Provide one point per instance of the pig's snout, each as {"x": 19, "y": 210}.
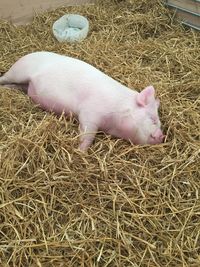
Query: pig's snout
{"x": 156, "y": 138}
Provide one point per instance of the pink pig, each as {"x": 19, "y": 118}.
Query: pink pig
{"x": 63, "y": 84}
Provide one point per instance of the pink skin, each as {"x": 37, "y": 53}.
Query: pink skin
{"x": 59, "y": 83}
{"x": 156, "y": 137}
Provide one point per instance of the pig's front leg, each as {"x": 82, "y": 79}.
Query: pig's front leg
{"x": 88, "y": 130}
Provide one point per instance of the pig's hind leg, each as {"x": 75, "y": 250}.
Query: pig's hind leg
{"x": 22, "y": 87}
{"x": 4, "y": 80}
{"x": 11, "y": 80}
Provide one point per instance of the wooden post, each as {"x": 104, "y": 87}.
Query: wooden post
{"x": 22, "y": 11}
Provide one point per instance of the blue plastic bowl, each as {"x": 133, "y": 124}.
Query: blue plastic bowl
{"x": 71, "y": 28}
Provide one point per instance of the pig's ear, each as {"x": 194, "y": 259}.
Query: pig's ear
{"x": 146, "y": 96}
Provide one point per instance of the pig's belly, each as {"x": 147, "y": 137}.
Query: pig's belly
{"x": 49, "y": 102}
{"x": 52, "y": 105}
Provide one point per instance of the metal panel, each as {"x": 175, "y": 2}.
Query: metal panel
{"x": 188, "y": 11}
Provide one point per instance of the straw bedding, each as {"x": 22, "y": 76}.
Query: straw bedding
{"x": 118, "y": 204}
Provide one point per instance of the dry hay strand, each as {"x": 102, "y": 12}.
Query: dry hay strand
{"x": 117, "y": 205}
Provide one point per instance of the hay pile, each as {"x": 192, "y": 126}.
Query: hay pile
{"x": 118, "y": 205}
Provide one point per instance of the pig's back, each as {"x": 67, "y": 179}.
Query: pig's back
{"x": 72, "y": 82}
{"x": 42, "y": 62}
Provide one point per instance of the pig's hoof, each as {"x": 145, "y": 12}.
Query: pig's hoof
{"x": 85, "y": 144}
{"x": 83, "y": 148}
